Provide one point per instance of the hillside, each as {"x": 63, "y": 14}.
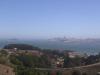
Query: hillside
{"x": 6, "y": 70}
{"x": 20, "y": 47}
{"x": 92, "y": 69}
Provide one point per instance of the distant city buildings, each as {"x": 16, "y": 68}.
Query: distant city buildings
{"x": 72, "y": 54}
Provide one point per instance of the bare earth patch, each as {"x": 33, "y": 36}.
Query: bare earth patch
{"x": 6, "y": 70}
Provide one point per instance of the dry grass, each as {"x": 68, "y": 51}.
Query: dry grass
{"x": 6, "y": 70}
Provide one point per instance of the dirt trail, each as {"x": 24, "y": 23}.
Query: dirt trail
{"x": 6, "y": 70}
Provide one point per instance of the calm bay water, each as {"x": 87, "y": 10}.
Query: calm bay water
{"x": 82, "y": 47}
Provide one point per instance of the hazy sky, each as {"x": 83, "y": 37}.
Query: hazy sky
{"x": 49, "y": 18}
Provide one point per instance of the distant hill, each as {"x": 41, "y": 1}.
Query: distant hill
{"x": 65, "y": 39}
{"x": 21, "y": 47}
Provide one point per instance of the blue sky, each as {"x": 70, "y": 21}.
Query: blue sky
{"x": 49, "y": 18}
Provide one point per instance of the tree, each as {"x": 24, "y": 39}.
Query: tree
{"x": 76, "y": 73}
{"x": 84, "y": 74}
{"x": 48, "y": 73}
{"x": 58, "y": 73}
{"x": 67, "y": 61}
{"x": 21, "y": 47}
{"x": 3, "y": 52}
